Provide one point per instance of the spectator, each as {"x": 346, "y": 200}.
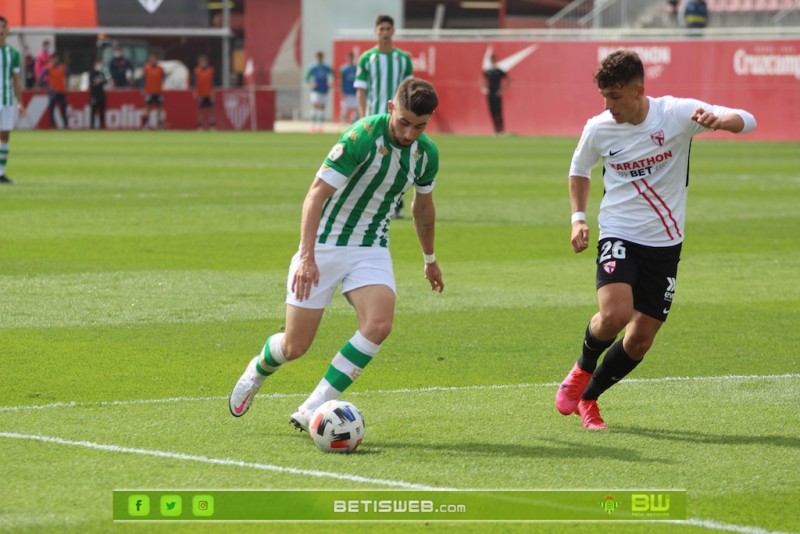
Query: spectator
{"x": 203, "y": 93}
{"x": 56, "y": 76}
{"x": 97, "y": 93}
{"x": 494, "y": 83}
{"x": 42, "y": 63}
{"x": 349, "y": 102}
{"x": 153, "y": 91}
{"x": 30, "y": 69}
{"x": 673, "y": 11}
{"x": 696, "y": 14}
{"x": 120, "y": 69}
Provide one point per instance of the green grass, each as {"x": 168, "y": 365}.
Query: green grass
{"x": 141, "y": 267}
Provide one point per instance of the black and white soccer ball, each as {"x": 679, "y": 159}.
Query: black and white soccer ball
{"x": 337, "y": 426}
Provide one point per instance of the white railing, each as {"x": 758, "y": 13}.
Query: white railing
{"x": 599, "y": 14}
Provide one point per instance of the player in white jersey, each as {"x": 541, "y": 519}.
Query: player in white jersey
{"x": 344, "y": 240}
{"x": 10, "y": 96}
{"x": 644, "y": 143}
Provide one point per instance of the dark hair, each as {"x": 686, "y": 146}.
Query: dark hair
{"x": 619, "y": 68}
{"x": 384, "y": 18}
{"x": 4, "y": 20}
{"x": 417, "y": 96}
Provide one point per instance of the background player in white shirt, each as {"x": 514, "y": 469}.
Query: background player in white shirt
{"x": 644, "y": 143}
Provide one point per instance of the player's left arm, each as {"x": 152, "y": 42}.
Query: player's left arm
{"x": 424, "y": 213}
{"x": 18, "y": 93}
{"x": 720, "y": 118}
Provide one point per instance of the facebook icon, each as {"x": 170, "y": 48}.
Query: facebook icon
{"x": 138, "y": 505}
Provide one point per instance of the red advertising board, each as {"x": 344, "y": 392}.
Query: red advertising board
{"x": 234, "y": 109}
{"x": 552, "y": 92}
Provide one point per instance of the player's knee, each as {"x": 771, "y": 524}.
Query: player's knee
{"x": 610, "y": 323}
{"x": 294, "y": 348}
{"x": 377, "y": 330}
{"x": 637, "y": 346}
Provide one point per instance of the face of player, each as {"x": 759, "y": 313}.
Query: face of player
{"x": 385, "y": 32}
{"x": 3, "y": 31}
{"x": 625, "y": 102}
{"x": 405, "y": 127}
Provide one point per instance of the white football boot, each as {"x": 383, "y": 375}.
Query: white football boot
{"x": 245, "y": 389}
{"x": 301, "y": 419}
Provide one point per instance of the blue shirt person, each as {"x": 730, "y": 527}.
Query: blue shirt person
{"x": 318, "y": 77}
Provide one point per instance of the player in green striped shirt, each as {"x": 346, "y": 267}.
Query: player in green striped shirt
{"x": 381, "y": 69}
{"x": 344, "y": 240}
{"x": 10, "y": 95}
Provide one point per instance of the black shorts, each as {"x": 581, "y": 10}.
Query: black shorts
{"x": 650, "y": 271}
{"x": 154, "y": 100}
{"x": 205, "y": 102}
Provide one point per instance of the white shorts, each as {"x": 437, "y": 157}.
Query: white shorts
{"x": 349, "y": 102}
{"x": 8, "y": 117}
{"x": 318, "y": 99}
{"x": 353, "y": 267}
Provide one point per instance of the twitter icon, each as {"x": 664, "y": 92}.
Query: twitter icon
{"x": 171, "y": 505}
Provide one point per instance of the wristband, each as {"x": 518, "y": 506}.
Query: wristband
{"x": 578, "y": 216}
{"x": 429, "y": 258}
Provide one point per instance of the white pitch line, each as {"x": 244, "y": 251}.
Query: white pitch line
{"x": 701, "y": 523}
{"x": 726, "y": 527}
{"x": 433, "y": 389}
{"x": 696, "y": 522}
{"x": 218, "y": 461}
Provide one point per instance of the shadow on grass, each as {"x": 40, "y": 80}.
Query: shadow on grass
{"x": 554, "y": 448}
{"x": 691, "y": 436}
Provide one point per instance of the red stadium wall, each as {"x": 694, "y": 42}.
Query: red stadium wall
{"x": 552, "y": 92}
{"x": 234, "y": 109}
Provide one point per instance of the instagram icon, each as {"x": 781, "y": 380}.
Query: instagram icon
{"x": 203, "y": 505}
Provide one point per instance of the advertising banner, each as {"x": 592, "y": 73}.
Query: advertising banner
{"x": 234, "y": 109}
{"x": 93, "y": 13}
{"x": 552, "y": 91}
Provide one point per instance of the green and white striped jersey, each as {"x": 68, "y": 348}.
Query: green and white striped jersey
{"x": 370, "y": 175}
{"x": 9, "y": 65}
{"x": 380, "y": 74}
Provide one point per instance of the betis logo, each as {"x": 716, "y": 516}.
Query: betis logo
{"x": 609, "y": 504}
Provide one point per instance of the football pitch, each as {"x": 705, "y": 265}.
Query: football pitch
{"x": 140, "y": 271}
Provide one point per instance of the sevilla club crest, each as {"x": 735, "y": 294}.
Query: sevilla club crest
{"x": 609, "y": 266}
{"x": 658, "y": 137}
{"x": 237, "y": 108}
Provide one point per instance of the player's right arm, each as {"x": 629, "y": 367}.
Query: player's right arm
{"x": 307, "y": 272}
{"x": 580, "y": 171}
{"x": 578, "y": 198}
{"x": 361, "y": 83}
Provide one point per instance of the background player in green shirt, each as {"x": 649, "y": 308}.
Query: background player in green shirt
{"x": 344, "y": 240}
{"x": 381, "y": 69}
{"x": 10, "y": 95}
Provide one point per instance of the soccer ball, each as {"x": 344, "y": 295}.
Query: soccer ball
{"x": 336, "y": 426}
